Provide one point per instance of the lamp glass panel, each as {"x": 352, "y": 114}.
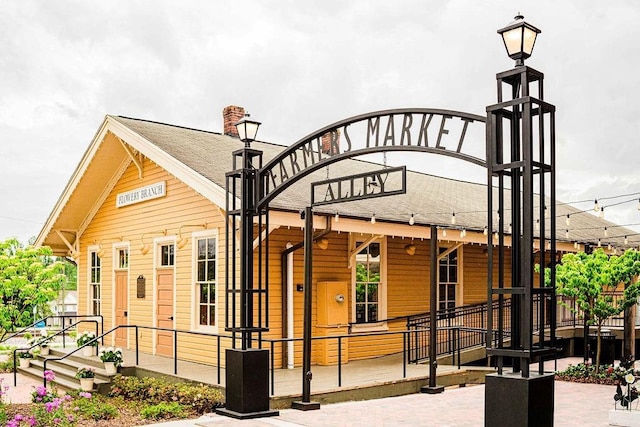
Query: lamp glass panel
{"x": 242, "y": 130}
{"x": 251, "y": 130}
{"x": 528, "y": 41}
{"x": 513, "y": 40}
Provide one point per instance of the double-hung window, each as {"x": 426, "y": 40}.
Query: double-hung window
{"x": 369, "y": 288}
{"x": 95, "y": 281}
{"x": 206, "y": 263}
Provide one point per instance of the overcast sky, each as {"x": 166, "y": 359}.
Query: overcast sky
{"x": 300, "y": 65}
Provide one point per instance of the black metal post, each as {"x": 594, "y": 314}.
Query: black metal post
{"x": 306, "y": 403}
{"x": 433, "y": 318}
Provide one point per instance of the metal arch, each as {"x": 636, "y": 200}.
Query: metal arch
{"x": 267, "y": 195}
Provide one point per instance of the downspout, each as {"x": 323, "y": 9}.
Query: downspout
{"x": 289, "y": 265}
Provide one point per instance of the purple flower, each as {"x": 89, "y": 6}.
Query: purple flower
{"x": 18, "y": 417}
{"x": 32, "y": 421}
{"x": 85, "y": 394}
{"x": 49, "y": 375}
{"x": 41, "y": 390}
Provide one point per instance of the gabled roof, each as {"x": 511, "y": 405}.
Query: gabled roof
{"x": 201, "y": 159}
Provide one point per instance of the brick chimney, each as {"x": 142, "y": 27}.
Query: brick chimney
{"x": 230, "y": 116}
{"x": 327, "y": 139}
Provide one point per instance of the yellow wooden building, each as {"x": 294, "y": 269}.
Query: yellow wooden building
{"x": 143, "y": 217}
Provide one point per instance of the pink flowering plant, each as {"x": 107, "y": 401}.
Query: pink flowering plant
{"x": 43, "y": 394}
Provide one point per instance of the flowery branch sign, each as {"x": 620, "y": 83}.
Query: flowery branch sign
{"x": 142, "y": 194}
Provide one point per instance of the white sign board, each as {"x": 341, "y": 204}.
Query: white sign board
{"x": 142, "y": 194}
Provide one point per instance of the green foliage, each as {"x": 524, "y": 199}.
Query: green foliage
{"x": 94, "y": 407}
{"x": 29, "y": 279}
{"x": 164, "y": 410}
{"x": 7, "y": 365}
{"x": 199, "y": 397}
{"x": 592, "y": 279}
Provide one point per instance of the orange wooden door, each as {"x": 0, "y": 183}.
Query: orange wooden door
{"x": 164, "y": 312}
{"x": 122, "y": 300}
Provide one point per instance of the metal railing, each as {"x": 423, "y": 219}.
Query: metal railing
{"x": 45, "y": 319}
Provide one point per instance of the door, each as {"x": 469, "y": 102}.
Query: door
{"x": 164, "y": 312}
{"x": 122, "y": 301}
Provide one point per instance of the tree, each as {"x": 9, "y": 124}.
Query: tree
{"x": 592, "y": 279}
{"x": 29, "y": 279}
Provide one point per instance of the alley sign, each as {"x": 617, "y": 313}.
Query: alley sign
{"x": 383, "y": 182}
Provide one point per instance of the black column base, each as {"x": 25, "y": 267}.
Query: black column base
{"x": 247, "y": 384}
{"x": 511, "y": 400}
{"x": 432, "y": 390}
{"x": 305, "y": 406}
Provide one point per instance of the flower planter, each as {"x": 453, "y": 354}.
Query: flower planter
{"x": 24, "y": 363}
{"x": 44, "y": 351}
{"x": 88, "y": 351}
{"x": 86, "y": 384}
{"x": 110, "y": 368}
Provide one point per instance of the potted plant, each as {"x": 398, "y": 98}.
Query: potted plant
{"x": 86, "y": 375}
{"x": 24, "y": 356}
{"x": 112, "y": 358}
{"x": 87, "y": 340}
{"x": 43, "y": 343}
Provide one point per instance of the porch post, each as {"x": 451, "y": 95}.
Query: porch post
{"x": 433, "y": 318}
{"x": 306, "y": 404}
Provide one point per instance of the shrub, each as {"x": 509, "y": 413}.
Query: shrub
{"x": 110, "y": 354}
{"x": 199, "y": 397}
{"x": 94, "y": 408}
{"x": 163, "y": 410}
{"x": 85, "y": 338}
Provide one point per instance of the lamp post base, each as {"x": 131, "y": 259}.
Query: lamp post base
{"x": 247, "y": 384}
{"x": 305, "y": 406}
{"x": 511, "y": 400}
{"x": 432, "y": 390}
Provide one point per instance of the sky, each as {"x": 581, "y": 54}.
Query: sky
{"x": 298, "y": 66}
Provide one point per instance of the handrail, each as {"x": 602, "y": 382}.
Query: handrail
{"x": 15, "y": 370}
{"x": 44, "y": 319}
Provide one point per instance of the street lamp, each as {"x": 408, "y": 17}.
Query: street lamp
{"x": 247, "y": 129}
{"x": 519, "y": 38}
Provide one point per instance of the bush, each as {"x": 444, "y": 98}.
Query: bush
{"x": 163, "y": 410}
{"x": 586, "y": 373}
{"x": 94, "y": 407}
{"x": 199, "y": 397}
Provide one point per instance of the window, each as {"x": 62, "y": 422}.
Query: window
{"x": 206, "y": 280}
{"x": 447, "y": 280}
{"x": 167, "y": 255}
{"x": 123, "y": 259}
{"x": 94, "y": 282}
{"x": 368, "y": 283}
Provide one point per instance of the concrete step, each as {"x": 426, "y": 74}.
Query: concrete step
{"x": 65, "y": 369}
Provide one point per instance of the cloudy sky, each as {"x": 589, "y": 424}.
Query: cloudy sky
{"x": 300, "y": 65}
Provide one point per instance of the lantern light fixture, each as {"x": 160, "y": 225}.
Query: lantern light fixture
{"x": 519, "y": 38}
{"x": 247, "y": 129}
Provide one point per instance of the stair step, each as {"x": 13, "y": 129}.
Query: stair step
{"x": 63, "y": 382}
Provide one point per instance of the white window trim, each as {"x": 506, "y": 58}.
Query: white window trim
{"x": 90, "y": 250}
{"x": 195, "y": 324}
{"x": 382, "y": 307}
{"x": 459, "y": 283}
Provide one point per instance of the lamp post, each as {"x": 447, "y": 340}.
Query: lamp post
{"x": 521, "y": 172}
{"x": 247, "y": 368}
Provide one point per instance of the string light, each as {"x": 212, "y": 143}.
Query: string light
{"x": 568, "y": 220}
{"x": 575, "y": 245}
{"x": 596, "y": 207}
{"x": 485, "y": 231}
{"x": 609, "y": 246}
{"x": 444, "y": 232}
{"x": 599, "y": 243}
{"x": 546, "y": 212}
{"x": 601, "y": 214}
{"x": 337, "y": 217}
{"x": 462, "y": 233}
{"x": 453, "y": 218}
{"x": 510, "y": 229}
{"x": 495, "y": 235}
{"x": 373, "y": 218}
{"x": 626, "y": 240}
{"x": 566, "y": 234}
{"x": 411, "y": 220}
{"x": 639, "y": 204}
{"x": 537, "y": 224}
{"x": 606, "y": 233}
